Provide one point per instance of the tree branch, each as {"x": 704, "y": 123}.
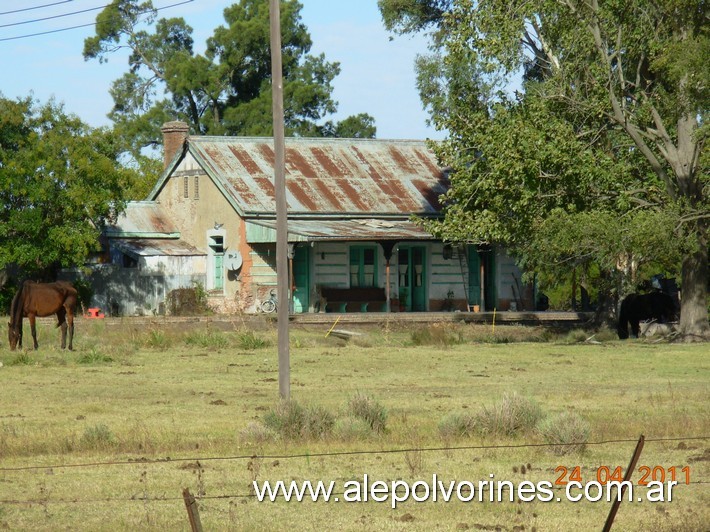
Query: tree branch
{"x": 618, "y": 114}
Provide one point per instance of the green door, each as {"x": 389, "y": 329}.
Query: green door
{"x": 412, "y": 277}
{"x": 474, "y": 277}
{"x": 489, "y": 260}
{"x": 218, "y": 271}
{"x": 301, "y": 288}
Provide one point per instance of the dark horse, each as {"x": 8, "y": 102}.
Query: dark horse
{"x": 42, "y": 299}
{"x": 640, "y": 307}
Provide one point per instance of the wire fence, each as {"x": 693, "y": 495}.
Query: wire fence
{"x": 203, "y": 459}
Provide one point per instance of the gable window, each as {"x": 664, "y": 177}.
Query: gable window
{"x": 196, "y": 193}
{"x": 128, "y": 262}
{"x": 363, "y": 266}
{"x": 186, "y": 186}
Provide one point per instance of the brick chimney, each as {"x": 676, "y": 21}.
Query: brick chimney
{"x": 174, "y": 135}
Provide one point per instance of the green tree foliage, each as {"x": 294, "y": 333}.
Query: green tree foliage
{"x": 225, "y": 91}
{"x": 59, "y": 183}
{"x": 606, "y": 130}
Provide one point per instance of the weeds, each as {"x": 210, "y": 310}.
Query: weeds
{"x": 414, "y": 457}
{"x": 254, "y": 466}
{"x": 511, "y": 416}
{"x": 441, "y": 335}
{"x": 22, "y": 359}
{"x": 292, "y": 421}
{"x": 158, "y": 339}
{"x": 368, "y": 409}
{"x": 250, "y": 341}
{"x": 94, "y": 356}
{"x": 209, "y": 339}
{"x": 568, "y": 432}
{"x": 98, "y": 438}
{"x": 256, "y": 434}
{"x": 457, "y": 425}
{"x": 351, "y": 429}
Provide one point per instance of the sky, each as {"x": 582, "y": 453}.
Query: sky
{"x": 377, "y": 68}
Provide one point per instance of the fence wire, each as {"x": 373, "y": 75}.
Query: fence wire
{"x": 168, "y": 460}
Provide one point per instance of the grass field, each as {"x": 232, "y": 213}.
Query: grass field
{"x": 106, "y": 437}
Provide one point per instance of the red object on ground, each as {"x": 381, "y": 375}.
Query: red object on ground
{"x": 94, "y": 313}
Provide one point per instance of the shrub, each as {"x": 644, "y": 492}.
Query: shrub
{"x": 249, "y": 340}
{"x": 568, "y": 432}
{"x": 208, "y": 339}
{"x": 187, "y": 301}
{"x": 352, "y": 429}
{"x": 457, "y": 425}
{"x": 256, "y": 433}
{"x": 365, "y": 407}
{"x": 22, "y": 359}
{"x": 85, "y": 292}
{"x": 97, "y": 437}
{"x": 512, "y": 415}
{"x": 438, "y": 335}
{"x": 94, "y": 356}
{"x": 576, "y": 336}
{"x": 158, "y": 339}
{"x": 292, "y": 421}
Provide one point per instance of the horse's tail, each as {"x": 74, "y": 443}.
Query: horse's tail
{"x": 622, "y": 327}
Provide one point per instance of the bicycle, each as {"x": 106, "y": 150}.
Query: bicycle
{"x": 269, "y": 305}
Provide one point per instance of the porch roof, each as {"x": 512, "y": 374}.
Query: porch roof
{"x": 145, "y": 219}
{"x": 147, "y": 247}
{"x": 314, "y": 230}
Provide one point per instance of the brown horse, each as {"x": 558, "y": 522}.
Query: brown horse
{"x": 42, "y": 299}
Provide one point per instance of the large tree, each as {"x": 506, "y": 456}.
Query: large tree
{"x": 59, "y": 183}
{"x": 225, "y": 91}
{"x": 609, "y": 118}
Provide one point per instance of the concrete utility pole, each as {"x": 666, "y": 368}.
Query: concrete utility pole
{"x": 280, "y": 196}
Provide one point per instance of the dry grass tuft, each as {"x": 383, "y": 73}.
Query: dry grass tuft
{"x": 568, "y": 432}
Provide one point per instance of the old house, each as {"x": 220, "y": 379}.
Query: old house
{"x": 353, "y": 245}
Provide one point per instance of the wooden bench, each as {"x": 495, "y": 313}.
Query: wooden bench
{"x": 369, "y": 299}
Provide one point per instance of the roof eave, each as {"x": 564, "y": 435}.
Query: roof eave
{"x": 128, "y": 234}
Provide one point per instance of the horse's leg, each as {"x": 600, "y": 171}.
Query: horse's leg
{"x": 70, "y": 321}
{"x": 635, "y": 328}
{"x": 62, "y": 322}
{"x": 33, "y": 327}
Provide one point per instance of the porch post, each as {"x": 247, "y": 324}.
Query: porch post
{"x": 387, "y": 247}
{"x": 483, "y": 288}
{"x": 291, "y": 280}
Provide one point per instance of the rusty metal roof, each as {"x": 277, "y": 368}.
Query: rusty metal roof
{"x": 260, "y": 231}
{"x": 147, "y": 247}
{"x": 325, "y": 176}
{"x": 144, "y": 219}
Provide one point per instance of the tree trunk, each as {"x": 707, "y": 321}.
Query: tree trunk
{"x": 694, "y": 304}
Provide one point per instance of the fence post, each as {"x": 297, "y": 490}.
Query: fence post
{"x": 193, "y": 513}
{"x": 627, "y": 478}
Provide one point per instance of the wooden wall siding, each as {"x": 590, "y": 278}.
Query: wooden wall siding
{"x": 331, "y": 264}
{"x": 263, "y": 266}
{"x": 505, "y": 269}
{"x": 445, "y": 274}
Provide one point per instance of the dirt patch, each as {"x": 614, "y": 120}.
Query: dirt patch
{"x": 191, "y": 466}
{"x": 406, "y": 518}
{"x": 705, "y": 457}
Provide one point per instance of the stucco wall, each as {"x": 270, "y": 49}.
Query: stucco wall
{"x": 201, "y": 216}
